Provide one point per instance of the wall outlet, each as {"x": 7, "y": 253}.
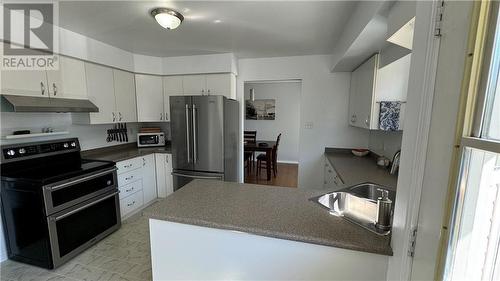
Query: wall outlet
{"x": 309, "y": 125}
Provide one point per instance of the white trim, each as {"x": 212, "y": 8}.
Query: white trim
{"x": 288, "y": 162}
{"x": 483, "y": 144}
{"x": 414, "y": 150}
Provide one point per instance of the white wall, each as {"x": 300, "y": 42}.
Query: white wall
{"x": 90, "y": 136}
{"x": 323, "y": 104}
{"x": 385, "y": 143}
{"x": 287, "y": 122}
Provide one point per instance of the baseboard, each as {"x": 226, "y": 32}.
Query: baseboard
{"x": 288, "y": 162}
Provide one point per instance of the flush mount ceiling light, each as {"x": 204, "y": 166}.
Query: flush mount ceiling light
{"x": 167, "y": 18}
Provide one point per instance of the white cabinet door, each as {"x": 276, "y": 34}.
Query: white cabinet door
{"x": 149, "y": 93}
{"x": 101, "y": 93}
{"x": 24, "y": 82}
{"x": 362, "y": 93}
{"x": 124, "y": 84}
{"x": 164, "y": 174}
{"x": 172, "y": 86}
{"x": 221, "y": 84}
{"x": 149, "y": 178}
{"x": 194, "y": 84}
{"x": 69, "y": 80}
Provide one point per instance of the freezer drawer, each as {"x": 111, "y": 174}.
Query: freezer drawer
{"x": 181, "y": 178}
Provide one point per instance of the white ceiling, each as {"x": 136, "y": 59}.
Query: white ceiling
{"x": 246, "y": 28}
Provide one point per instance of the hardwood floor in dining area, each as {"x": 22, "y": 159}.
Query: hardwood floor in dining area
{"x": 287, "y": 176}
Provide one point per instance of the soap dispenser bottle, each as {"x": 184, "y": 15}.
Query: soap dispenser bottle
{"x": 384, "y": 210}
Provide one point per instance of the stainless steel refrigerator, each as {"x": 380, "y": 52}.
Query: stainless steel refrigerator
{"x": 205, "y": 138}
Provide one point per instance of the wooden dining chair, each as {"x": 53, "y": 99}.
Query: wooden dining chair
{"x": 250, "y": 136}
{"x": 262, "y": 159}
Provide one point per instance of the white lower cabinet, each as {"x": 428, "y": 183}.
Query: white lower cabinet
{"x": 332, "y": 179}
{"x": 164, "y": 174}
{"x": 149, "y": 187}
{"x": 141, "y": 180}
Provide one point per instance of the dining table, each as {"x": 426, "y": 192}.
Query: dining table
{"x": 262, "y": 146}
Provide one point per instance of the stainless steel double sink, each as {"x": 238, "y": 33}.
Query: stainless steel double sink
{"x": 357, "y": 204}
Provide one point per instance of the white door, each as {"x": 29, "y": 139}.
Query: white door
{"x": 362, "y": 102}
{"x": 172, "y": 86}
{"x": 25, "y": 82}
{"x": 124, "y": 84}
{"x": 149, "y": 94}
{"x": 101, "y": 93}
{"x": 194, "y": 84}
{"x": 219, "y": 84}
{"x": 149, "y": 178}
{"x": 161, "y": 174}
{"x": 69, "y": 80}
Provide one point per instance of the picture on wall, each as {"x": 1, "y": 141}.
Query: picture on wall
{"x": 260, "y": 109}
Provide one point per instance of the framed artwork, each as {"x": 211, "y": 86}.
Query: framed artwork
{"x": 260, "y": 109}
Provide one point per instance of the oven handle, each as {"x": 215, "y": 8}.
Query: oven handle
{"x": 197, "y": 177}
{"x": 59, "y": 186}
{"x": 85, "y": 206}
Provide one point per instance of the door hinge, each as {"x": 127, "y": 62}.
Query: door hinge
{"x": 439, "y": 19}
{"x": 413, "y": 239}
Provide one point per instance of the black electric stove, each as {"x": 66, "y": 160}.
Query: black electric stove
{"x": 54, "y": 203}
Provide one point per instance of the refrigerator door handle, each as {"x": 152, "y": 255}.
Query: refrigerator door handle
{"x": 187, "y": 135}
{"x": 198, "y": 177}
{"x": 195, "y": 138}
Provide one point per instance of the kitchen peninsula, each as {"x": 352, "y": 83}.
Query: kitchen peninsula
{"x": 217, "y": 230}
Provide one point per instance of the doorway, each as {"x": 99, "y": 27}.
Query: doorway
{"x": 272, "y": 108}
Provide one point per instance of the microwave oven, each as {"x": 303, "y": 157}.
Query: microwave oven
{"x": 150, "y": 139}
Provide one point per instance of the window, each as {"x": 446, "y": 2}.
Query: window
{"x": 474, "y": 246}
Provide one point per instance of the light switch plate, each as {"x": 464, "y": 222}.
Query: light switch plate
{"x": 309, "y": 125}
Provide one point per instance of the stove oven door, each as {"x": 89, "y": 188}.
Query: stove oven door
{"x": 77, "y": 228}
{"x": 64, "y": 194}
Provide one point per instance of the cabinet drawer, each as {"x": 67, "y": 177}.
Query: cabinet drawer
{"x": 130, "y": 189}
{"x": 129, "y": 177}
{"x": 129, "y": 165}
{"x": 131, "y": 203}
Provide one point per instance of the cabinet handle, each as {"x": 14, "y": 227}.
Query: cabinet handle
{"x": 114, "y": 116}
{"x": 42, "y": 87}
{"x": 129, "y": 178}
{"x": 128, "y": 190}
{"x": 202, "y": 91}
{"x": 127, "y": 166}
{"x": 161, "y": 116}
{"x": 166, "y": 116}
{"x": 120, "y": 114}
{"x": 353, "y": 118}
{"x": 130, "y": 204}
{"x": 55, "y": 88}
{"x": 143, "y": 162}
{"x": 208, "y": 92}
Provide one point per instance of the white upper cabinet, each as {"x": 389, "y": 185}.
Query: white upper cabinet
{"x": 221, "y": 84}
{"x": 172, "y": 86}
{"x": 194, "y": 84}
{"x": 25, "y": 82}
{"x": 370, "y": 85}
{"x": 210, "y": 84}
{"x": 69, "y": 81}
{"x": 101, "y": 93}
{"x": 362, "y": 91}
{"x": 149, "y": 93}
{"x": 124, "y": 86}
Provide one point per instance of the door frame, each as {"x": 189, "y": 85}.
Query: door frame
{"x": 421, "y": 86}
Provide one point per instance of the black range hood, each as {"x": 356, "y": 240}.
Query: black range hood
{"x": 15, "y": 103}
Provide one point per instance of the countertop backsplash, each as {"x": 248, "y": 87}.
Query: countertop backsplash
{"x": 385, "y": 143}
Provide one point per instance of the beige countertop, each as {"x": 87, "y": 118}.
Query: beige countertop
{"x": 354, "y": 170}
{"x": 278, "y": 212}
{"x": 122, "y": 152}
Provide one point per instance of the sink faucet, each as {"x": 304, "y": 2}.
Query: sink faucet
{"x": 395, "y": 162}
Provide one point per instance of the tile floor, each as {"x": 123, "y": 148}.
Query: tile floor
{"x": 124, "y": 255}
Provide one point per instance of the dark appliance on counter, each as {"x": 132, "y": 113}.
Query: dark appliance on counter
{"x": 54, "y": 203}
{"x": 205, "y": 138}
